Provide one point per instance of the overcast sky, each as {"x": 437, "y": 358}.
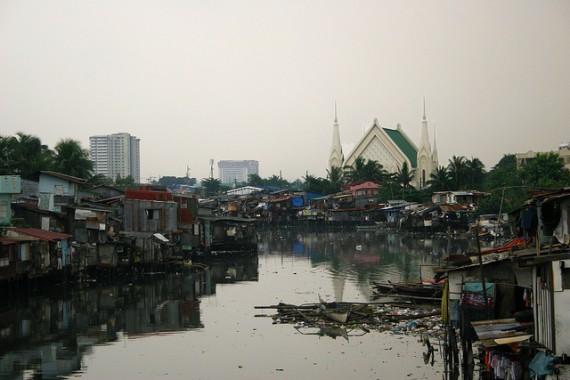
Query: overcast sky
{"x": 257, "y": 80}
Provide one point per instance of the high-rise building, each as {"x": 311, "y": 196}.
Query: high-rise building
{"x": 116, "y": 155}
{"x": 232, "y": 172}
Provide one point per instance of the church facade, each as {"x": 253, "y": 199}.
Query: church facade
{"x": 391, "y": 148}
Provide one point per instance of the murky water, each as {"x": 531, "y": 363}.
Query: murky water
{"x": 206, "y": 326}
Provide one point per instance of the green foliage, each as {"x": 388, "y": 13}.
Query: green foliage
{"x": 335, "y": 179}
{"x": 274, "y": 180}
{"x": 97, "y": 180}
{"x": 505, "y": 188}
{"x": 318, "y": 185}
{"x": 546, "y": 171}
{"x": 364, "y": 170}
{"x": 72, "y": 159}
{"x": 127, "y": 181}
{"x": 28, "y": 155}
{"x": 169, "y": 181}
{"x": 255, "y": 180}
{"x": 474, "y": 174}
{"x": 439, "y": 180}
{"x": 457, "y": 170}
{"x": 404, "y": 177}
{"x": 211, "y": 186}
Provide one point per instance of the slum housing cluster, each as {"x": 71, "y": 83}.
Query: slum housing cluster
{"x": 54, "y": 226}
{"x": 355, "y": 206}
{"x": 515, "y": 300}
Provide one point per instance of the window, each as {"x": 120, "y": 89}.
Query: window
{"x": 152, "y": 214}
{"x": 58, "y": 190}
{"x": 3, "y": 209}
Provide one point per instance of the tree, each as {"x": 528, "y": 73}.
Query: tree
{"x": 373, "y": 171}
{"x": 334, "y": 177}
{"x": 277, "y": 181}
{"x": 72, "y": 159}
{"x": 255, "y": 180}
{"x": 98, "y": 179}
{"x": 405, "y": 176}
{"x": 315, "y": 185}
{"x": 439, "y": 180}
{"x": 457, "y": 169}
{"x": 7, "y": 147}
{"x": 364, "y": 170}
{"x": 545, "y": 171}
{"x": 211, "y": 186}
{"x": 504, "y": 174}
{"x": 127, "y": 181}
{"x": 504, "y": 186}
{"x": 474, "y": 173}
{"x": 30, "y": 155}
{"x": 171, "y": 181}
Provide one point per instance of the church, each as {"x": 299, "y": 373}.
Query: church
{"x": 390, "y": 148}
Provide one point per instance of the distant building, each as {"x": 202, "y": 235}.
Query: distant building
{"x": 232, "y": 172}
{"x": 116, "y": 155}
{"x": 563, "y": 152}
{"x": 391, "y": 148}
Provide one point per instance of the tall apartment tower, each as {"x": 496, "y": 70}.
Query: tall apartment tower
{"x": 232, "y": 172}
{"x": 116, "y": 155}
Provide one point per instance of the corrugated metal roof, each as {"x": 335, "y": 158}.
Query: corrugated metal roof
{"x": 42, "y": 234}
{"x": 65, "y": 177}
{"x": 5, "y": 241}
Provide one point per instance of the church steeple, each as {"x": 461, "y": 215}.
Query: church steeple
{"x": 434, "y": 158}
{"x": 336, "y": 157}
{"x": 424, "y": 141}
{"x": 425, "y": 158}
{"x": 335, "y": 118}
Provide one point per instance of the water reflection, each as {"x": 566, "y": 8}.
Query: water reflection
{"x": 53, "y": 334}
{"x": 46, "y": 335}
{"x": 365, "y": 256}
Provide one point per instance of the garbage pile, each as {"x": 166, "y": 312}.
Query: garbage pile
{"x": 345, "y": 318}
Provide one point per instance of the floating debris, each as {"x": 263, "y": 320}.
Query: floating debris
{"x": 344, "y": 319}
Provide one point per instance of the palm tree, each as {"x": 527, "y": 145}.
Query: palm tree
{"x": 355, "y": 172}
{"x": 255, "y": 180}
{"x": 7, "y": 148}
{"x": 364, "y": 170}
{"x": 335, "y": 177}
{"x": 72, "y": 159}
{"x": 315, "y": 184}
{"x": 405, "y": 176}
{"x": 475, "y": 173}
{"x": 439, "y": 179}
{"x": 211, "y": 185}
{"x": 457, "y": 169}
{"x": 373, "y": 171}
{"x": 30, "y": 155}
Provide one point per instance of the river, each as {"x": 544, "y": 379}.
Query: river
{"x": 206, "y": 326}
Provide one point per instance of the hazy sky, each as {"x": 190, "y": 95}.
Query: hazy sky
{"x": 241, "y": 80}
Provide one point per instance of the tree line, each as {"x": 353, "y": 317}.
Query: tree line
{"x": 507, "y": 183}
{"x": 25, "y": 155}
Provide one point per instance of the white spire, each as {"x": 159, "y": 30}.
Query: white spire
{"x": 335, "y": 118}
{"x": 336, "y": 158}
{"x": 434, "y": 157}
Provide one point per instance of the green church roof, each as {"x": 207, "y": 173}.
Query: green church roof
{"x": 404, "y": 145}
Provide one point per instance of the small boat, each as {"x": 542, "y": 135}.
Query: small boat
{"x": 419, "y": 289}
{"x": 368, "y": 227}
